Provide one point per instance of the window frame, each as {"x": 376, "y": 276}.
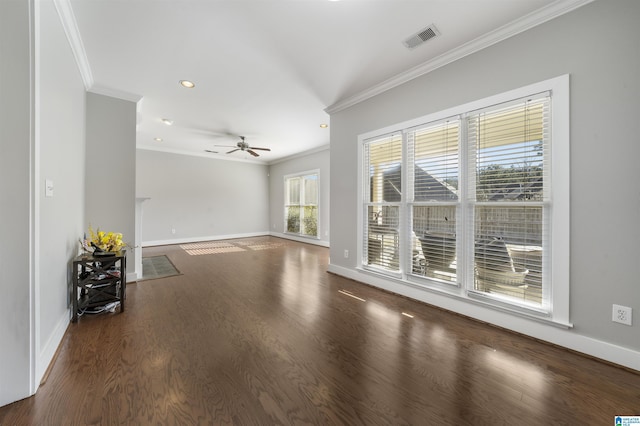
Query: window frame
{"x": 286, "y": 178}
{"x": 557, "y": 254}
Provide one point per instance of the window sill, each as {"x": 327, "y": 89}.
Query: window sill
{"x": 310, "y": 237}
{"x": 457, "y": 292}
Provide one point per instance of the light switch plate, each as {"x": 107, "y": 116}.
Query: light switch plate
{"x": 48, "y": 188}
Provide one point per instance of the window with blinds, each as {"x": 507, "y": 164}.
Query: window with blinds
{"x": 433, "y": 153}
{"x": 383, "y": 197}
{"x": 464, "y": 201}
{"x": 506, "y": 147}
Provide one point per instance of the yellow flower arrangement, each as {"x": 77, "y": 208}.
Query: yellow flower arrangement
{"x": 104, "y": 241}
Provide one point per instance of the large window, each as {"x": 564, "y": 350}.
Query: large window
{"x": 462, "y": 201}
{"x": 301, "y": 204}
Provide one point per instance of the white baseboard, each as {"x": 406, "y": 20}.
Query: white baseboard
{"x": 565, "y": 337}
{"x": 48, "y": 351}
{"x": 314, "y": 241}
{"x": 201, "y": 239}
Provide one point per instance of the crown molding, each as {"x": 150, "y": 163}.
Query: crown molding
{"x": 511, "y": 29}
{"x": 70, "y": 26}
{"x": 223, "y": 157}
{"x": 114, "y": 93}
{"x": 301, "y": 154}
{"x": 209, "y": 156}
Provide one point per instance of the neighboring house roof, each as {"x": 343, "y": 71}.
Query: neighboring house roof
{"x": 427, "y": 187}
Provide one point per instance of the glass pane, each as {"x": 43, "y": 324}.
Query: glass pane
{"x": 508, "y": 252}
{"x": 436, "y": 162}
{"x": 311, "y": 189}
{"x": 293, "y": 219}
{"x": 384, "y": 169}
{"x": 382, "y": 247}
{"x": 509, "y": 152}
{"x": 310, "y": 221}
{"x": 434, "y": 253}
{"x": 293, "y": 190}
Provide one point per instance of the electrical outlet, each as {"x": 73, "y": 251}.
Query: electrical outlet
{"x": 346, "y": 254}
{"x": 621, "y": 314}
{"x": 173, "y": 230}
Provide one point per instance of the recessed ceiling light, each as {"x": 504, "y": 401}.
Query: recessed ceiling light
{"x": 188, "y": 84}
{"x": 157, "y": 139}
{"x": 167, "y": 121}
{"x": 324, "y": 125}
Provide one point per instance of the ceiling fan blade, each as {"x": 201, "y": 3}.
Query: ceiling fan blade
{"x": 262, "y": 149}
{"x": 252, "y": 153}
{"x": 233, "y": 150}
{"x": 208, "y": 150}
{"x": 226, "y": 146}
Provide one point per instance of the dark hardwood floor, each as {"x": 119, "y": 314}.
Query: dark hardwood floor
{"x": 256, "y": 332}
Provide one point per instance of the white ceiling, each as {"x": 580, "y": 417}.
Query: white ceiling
{"x": 268, "y": 69}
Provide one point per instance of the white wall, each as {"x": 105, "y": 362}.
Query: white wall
{"x": 60, "y": 140}
{"x": 605, "y": 200}
{"x": 42, "y": 114}
{"x": 110, "y": 174}
{"x": 200, "y": 198}
{"x": 318, "y": 160}
{"x": 16, "y": 187}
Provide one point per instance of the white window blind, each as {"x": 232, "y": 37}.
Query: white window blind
{"x": 382, "y": 187}
{"x": 434, "y": 155}
{"x": 507, "y": 146}
{"x": 435, "y": 160}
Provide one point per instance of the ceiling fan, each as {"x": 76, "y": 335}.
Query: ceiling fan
{"x": 242, "y": 145}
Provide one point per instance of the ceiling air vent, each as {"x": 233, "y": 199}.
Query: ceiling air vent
{"x": 417, "y": 39}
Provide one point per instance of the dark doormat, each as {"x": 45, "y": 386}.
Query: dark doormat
{"x": 157, "y": 267}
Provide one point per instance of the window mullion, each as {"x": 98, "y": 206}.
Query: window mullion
{"x": 302, "y": 203}
{"x": 406, "y": 240}
{"x": 466, "y": 188}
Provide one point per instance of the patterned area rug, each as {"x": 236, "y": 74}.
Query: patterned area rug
{"x": 157, "y": 267}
